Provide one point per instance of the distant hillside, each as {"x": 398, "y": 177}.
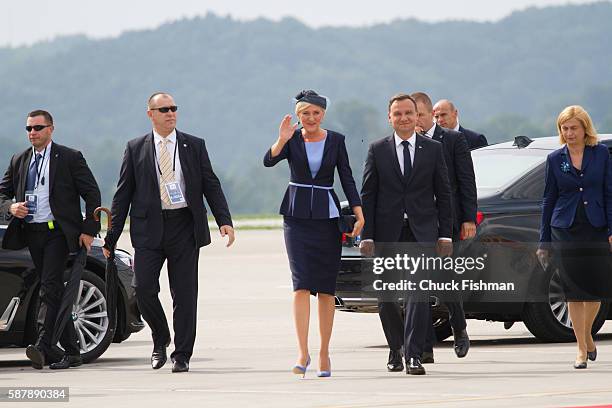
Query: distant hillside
{"x": 234, "y": 80}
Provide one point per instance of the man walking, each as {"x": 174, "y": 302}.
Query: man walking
{"x": 406, "y": 198}
{"x": 163, "y": 178}
{"x": 47, "y": 182}
{"x": 463, "y": 187}
{"x": 447, "y": 115}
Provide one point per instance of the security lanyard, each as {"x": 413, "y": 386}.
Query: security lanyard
{"x": 40, "y": 169}
{"x": 173, "y": 161}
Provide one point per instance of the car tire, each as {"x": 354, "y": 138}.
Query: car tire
{"x": 542, "y": 323}
{"x": 550, "y": 321}
{"x": 92, "y": 324}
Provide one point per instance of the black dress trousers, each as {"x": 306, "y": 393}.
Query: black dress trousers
{"x": 408, "y": 329}
{"x": 180, "y": 250}
{"x": 49, "y": 251}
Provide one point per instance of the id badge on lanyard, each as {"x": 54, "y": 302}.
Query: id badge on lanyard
{"x": 175, "y": 193}
{"x": 31, "y": 198}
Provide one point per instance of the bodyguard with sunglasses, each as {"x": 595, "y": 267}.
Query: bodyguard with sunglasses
{"x": 47, "y": 182}
{"x": 164, "y": 176}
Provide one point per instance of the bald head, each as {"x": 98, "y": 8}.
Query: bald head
{"x": 445, "y": 114}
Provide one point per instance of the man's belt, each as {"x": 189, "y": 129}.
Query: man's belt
{"x": 174, "y": 213}
{"x": 42, "y": 226}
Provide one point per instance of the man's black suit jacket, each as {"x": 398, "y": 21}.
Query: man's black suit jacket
{"x": 460, "y": 174}
{"x": 138, "y": 192}
{"x": 425, "y": 196}
{"x": 69, "y": 179}
{"x": 474, "y": 139}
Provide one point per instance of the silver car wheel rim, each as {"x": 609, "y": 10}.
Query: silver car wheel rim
{"x": 89, "y": 316}
{"x": 558, "y": 305}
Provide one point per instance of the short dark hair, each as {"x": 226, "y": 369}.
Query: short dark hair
{"x": 400, "y": 97}
{"x": 423, "y": 98}
{"x": 154, "y": 95}
{"x": 44, "y": 113}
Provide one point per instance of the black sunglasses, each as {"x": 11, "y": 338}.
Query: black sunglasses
{"x": 165, "y": 109}
{"x": 37, "y": 128}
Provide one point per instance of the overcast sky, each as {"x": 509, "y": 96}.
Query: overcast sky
{"x": 28, "y": 21}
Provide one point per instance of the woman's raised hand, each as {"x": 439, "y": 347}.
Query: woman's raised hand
{"x": 286, "y": 129}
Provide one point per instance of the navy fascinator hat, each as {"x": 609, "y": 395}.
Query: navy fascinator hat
{"x": 310, "y": 96}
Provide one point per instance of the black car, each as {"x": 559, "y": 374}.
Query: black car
{"x": 510, "y": 182}
{"x": 19, "y": 302}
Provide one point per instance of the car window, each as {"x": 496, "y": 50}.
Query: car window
{"x": 497, "y": 168}
{"x": 530, "y": 187}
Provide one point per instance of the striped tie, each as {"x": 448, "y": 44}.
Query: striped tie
{"x": 167, "y": 174}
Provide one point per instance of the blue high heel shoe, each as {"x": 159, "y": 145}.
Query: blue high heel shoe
{"x": 325, "y": 373}
{"x": 298, "y": 369}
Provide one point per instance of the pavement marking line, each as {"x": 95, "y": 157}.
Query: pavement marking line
{"x": 467, "y": 399}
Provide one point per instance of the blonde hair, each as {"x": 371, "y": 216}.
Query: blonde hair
{"x": 302, "y": 106}
{"x": 578, "y": 112}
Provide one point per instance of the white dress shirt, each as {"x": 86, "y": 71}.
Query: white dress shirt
{"x": 178, "y": 173}
{"x": 41, "y": 189}
{"x": 399, "y": 148}
{"x": 456, "y": 128}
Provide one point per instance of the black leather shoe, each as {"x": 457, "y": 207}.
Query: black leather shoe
{"x": 395, "y": 361}
{"x": 36, "y": 356}
{"x": 592, "y": 355}
{"x": 67, "y": 362}
{"x": 180, "y": 366}
{"x": 414, "y": 367}
{"x": 159, "y": 357}
{"x": 427, "y": 357}
{"x": 462, "y": 343}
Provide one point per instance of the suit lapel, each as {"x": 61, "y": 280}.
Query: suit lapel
{"x": 393, "y": 152}
{"x": 566, "y": 158}
{"x": 53, "y": 161}
{"x": 438, "y": 134}
{"x": 23, "y": 174}
{"x": 326, "y": 148}
{"x": 586, "y": 157}
{"x": 149, "y": 156}
{"x": 301, "y": 148}
{"x": 184, "y": 156}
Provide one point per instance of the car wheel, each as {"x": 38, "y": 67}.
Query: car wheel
{"x": 550, "y": 321}
{"x": 90, "y": 319}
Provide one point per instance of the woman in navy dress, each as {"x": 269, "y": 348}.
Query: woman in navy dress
{"x": 311, "y": 212}
{"x": 577, "y": 222}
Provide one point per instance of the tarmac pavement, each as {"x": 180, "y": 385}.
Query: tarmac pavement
{"x": 245, "y": 349}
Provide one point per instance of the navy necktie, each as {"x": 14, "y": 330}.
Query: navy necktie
{"x": 31, "y": 180}
{"x": 407, "y": 161}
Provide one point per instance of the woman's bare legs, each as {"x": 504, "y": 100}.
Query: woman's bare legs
{"x": 326, "y": 323}
{"x": 301, "y": 319}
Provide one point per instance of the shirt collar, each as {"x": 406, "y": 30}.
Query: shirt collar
{"x": 43, "y": 153}
{"x": 456, "y": 128}
{"x": 399, "y": 140}
{"x": 171, "y": 137}
{"x": 431, "y": 131}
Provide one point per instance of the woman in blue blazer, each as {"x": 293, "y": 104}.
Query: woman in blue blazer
{"x": 311, "y": 212}
{"x": 577, "y": 220}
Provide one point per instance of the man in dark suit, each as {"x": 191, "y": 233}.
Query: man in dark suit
{"x": 463, "y": 186}
{"x": 46, "y": 182}
{"x": 164, "y": 176}
{"x": 447, "y": 116}
{"x": 406, "y": 197}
